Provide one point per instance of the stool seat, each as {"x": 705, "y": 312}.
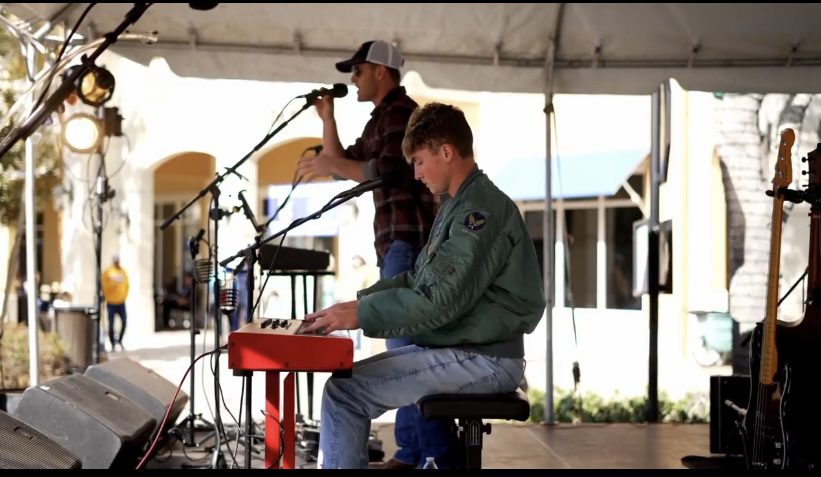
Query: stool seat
{"x": 469, "y": 410}
{"x": 476, "y": 406}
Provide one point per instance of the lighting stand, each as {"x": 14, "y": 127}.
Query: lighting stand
{"x": 102, "y": 194}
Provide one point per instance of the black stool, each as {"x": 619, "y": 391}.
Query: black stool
{"x": 469, "y": 410}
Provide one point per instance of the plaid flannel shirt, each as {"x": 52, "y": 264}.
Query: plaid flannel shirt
{"x": 404, "y": 207}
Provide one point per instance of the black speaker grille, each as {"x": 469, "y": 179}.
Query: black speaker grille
{"x": 23, "y": 447}
{"x": 141, "y": 385}
{"x": 115, "y": 411}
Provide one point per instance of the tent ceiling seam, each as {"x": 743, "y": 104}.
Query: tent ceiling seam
{"x": 564, "y": 63}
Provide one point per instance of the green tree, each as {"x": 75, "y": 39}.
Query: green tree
{"x": 47, "y": 155}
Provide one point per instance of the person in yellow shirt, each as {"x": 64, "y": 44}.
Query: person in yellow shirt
{"x": 115, "y": 291}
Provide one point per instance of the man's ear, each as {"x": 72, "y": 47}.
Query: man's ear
{"x": 447, "y": 152}
{"x": 381, "y": 72}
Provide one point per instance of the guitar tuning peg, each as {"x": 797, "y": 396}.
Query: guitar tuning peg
{"x": 803, "y": 173}
{"x": 803, "y": 159}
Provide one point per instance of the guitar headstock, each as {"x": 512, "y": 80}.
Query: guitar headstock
{"x": 783, "y": 164}
{"x": 813, "y": 158}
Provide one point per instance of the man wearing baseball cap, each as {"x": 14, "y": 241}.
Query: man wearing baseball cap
{"x": 404, "y": 207}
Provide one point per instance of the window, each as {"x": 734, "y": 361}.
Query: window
{"x": 619, "y": 233}
{"x": 172, "y": 256}
{"x": 533, "y": 220}
{"x": 598, "y": 264}
{"x": 580, "y": 259}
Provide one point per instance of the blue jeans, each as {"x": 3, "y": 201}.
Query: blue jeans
{"x": 396, "y": 378}
{"x": 112, "y": 311}
{"x": 416, "y": 437}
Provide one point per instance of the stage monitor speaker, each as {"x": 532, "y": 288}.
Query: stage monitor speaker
{"x": 141, "y": 385}
{"x": 23, "y": 447}
{"x": 725, "y": 437}
{"x": 94, "y": 422}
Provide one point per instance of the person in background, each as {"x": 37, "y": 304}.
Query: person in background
{"x": 115, "y": 291}
{"x": 177, "y": 299}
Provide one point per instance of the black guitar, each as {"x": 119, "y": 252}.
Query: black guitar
{"x": 766, "y": 441}
{"x": 799, "y": 345}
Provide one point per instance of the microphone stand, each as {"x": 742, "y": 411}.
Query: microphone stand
{"x": 216, "y": 214}
{"x": 250, "y": 254}
{"x": 249, "y": 262}
{"x": 192, "y": 416}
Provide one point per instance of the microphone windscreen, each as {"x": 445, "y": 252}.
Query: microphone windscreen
{"x": 202, "y": 6}
{"x": 203, "y": 270}
{"x": 339, "y": 90}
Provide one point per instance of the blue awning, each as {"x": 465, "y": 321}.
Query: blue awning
{"x": 582, "y": 175}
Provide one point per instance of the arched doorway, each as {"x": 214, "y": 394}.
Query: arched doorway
{"x": 176, "y": 181}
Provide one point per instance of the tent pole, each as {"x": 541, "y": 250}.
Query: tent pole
{"x": 653, "y": 259}
{"x": 548, "y": 245}
{"x": 31, "y": 241}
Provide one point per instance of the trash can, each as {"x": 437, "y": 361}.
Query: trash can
{"x": 75, "y": 328}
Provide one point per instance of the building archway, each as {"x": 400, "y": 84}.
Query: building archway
{"x": 177, "y": 180}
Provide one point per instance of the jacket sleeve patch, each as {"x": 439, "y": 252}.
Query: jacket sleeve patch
{"x": 475, "y": 220}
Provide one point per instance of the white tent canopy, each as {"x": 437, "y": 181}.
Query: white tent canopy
{"x": 600, "y": 48}
{"x": 574, "y": 48}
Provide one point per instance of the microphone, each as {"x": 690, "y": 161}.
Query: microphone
{"x": 227, "y": 299}
{"x": 194, "y": 243}
{"x": 246, "y": 209}
{"x": 339, "y": 90}
{"x": 203, "y": 6}
{"x": 203, "y": 269}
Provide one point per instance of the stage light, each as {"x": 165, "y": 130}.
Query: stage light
{"x": 82, "y": 133}
{"x": 94, "y": 87}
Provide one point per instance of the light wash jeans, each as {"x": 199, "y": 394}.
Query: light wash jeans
{"x": 416, "y": 437}
{"x": 397, "y": 378}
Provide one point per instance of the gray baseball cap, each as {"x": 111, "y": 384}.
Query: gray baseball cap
{"x": 378, "y": 52}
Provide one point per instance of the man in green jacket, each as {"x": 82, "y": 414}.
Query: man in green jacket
{"x": 475, "y": 290}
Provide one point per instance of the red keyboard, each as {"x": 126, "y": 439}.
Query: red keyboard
{"x": 281, "y": 346}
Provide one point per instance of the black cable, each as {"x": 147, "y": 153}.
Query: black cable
{"x": 60, "y": 55}
{"x": 794, "y": 285}
{"x": 237, "y": 422}
{"x": 218, "y": 422}
{"x": 267, "y": 276}
{"x": 281, "y": 433}
{"x": 294, "y": 183}
{"x": 123, "y": 160}
{"x": 156, "y": 438}
{"x": 576, "y": 369}
{"x": 280, "y": 114}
